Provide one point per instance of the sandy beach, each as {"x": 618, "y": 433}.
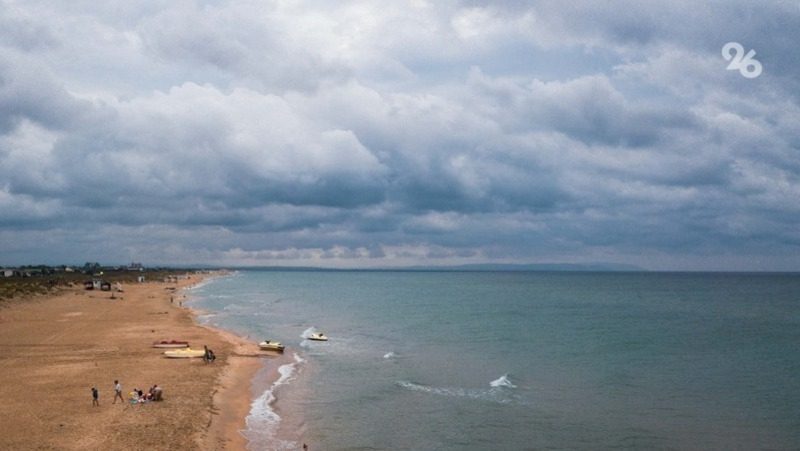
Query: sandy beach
{"x": 55, "y": 348}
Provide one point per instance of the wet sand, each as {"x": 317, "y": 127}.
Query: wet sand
{"x": 55, "y": 348}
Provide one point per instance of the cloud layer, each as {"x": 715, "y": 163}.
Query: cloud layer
{"x": 383, "y": 134}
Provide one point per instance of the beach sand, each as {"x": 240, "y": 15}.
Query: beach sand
{"x": 55, "y": 348}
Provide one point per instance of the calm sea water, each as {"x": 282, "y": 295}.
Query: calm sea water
{"x": 517, "y": 360}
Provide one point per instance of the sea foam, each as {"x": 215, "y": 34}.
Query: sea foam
{"x": 502, "y": 381}
{"x": 492, "y": 394}
{"x": 307, "y": 333}
{"x": 262, "y": 422}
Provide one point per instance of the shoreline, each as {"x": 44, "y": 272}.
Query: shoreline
{"x": 56, "y": 346}
{"x": 238, "y": 385}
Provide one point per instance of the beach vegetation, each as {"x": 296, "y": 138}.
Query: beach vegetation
{"x": 26, "y": 282}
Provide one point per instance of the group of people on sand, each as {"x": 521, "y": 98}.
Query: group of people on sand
{"x": 139, "y": 396}
{"x": 135, "y": 396}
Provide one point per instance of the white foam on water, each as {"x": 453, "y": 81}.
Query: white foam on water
{"x": 262, "y": 421}
{"x": 206, "y": 317}
{"x": 199, "y": 285}
{"x": 209, "y": 279}
{"x": 442, "y": 391}
{"x": 307, "y": 333}
{"x": 492, "y": 394}
{"x": 502, "y": 381}
{"x": 389, "y": 355}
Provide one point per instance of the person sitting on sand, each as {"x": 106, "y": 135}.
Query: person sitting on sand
{"x": 151, "y": 394}
{"x": 155, "y": 393}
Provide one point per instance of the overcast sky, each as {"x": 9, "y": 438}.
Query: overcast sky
{"x": 390, "y": 133}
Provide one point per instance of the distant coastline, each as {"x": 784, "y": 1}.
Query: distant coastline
{"x": 565, "y": 267}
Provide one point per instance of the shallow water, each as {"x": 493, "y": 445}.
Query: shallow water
{"x": 516, "y": 360}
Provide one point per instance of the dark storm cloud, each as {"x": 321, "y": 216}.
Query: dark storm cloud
{"x": 29, "y": 92}
{"x": 388, "y": 134}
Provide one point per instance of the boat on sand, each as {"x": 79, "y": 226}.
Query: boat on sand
{"x": 170, "y": 344}
{"x": 184, "y": 353}
{"x": 270, "y": 345}
{"x": 318, "y": 337}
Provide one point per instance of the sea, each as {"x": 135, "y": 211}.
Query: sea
{"x": 438, "y": 360}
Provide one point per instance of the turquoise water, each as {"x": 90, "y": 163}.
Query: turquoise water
{"x": 518, "y": 360}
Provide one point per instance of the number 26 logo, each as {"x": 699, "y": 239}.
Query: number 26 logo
{"x": 748, "y": 66}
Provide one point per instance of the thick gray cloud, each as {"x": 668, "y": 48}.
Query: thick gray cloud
{"x": 381, "y": 134}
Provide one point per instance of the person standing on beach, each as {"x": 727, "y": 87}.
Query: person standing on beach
{"x": 95, "y": 397}
{"x": 118, "y": 393}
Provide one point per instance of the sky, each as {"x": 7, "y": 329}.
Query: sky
{"x": 394, "y": 133}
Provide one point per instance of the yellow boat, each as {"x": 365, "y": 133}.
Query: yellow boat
{"x": 184, "y": 353}
{"x": 318, "y": 337}
{"x": 269, "y": 345}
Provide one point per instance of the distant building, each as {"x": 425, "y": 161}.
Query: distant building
{"x": 135, "y": 267}
{"x": 9, "y": 272}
